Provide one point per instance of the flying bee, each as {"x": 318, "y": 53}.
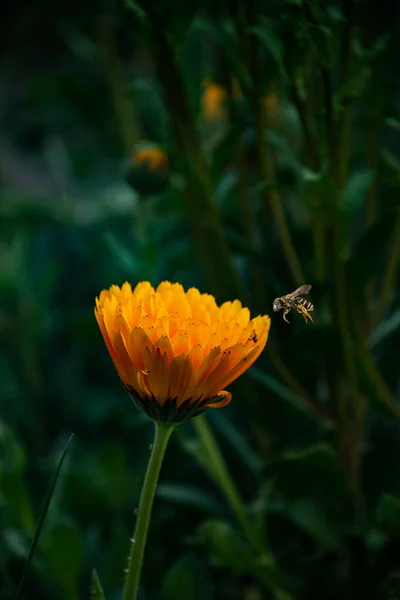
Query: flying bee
{"x": 295, "y": 300}
{"x": 253, "y": 337}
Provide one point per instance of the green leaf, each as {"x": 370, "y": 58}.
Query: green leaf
{"x": 124, "y": 258}
{"x": 354, "y": 194}
{"x": 42, "y": 517}
{"x": 368, "y": 254}
{"x": 12, "y": 482}
{"x": 388, "y": 514}
{"x": 393, "y": 123}
{"x": 195, "y": 448}
{"x": 96, "y": 589}
{"x": 313, "y": 472}
{"x": 385, "y": 329}
{"x": 285, "y": 393}
{"x": 225, "y": 546}
{"x": 186, "y": 579}
{"x": 224, "y": 36}
{"x": 267, "y": 35}
{"x": 62, "y": 546}
{"x": 137, "y": 9}
{"x": 360, "y": 71}
{"x": 236, "y": 440}
{"x": 190, "y": 496}
{"x": 309, "y": 517}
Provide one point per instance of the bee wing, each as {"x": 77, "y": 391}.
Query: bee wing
{"x": 303, "y": 289}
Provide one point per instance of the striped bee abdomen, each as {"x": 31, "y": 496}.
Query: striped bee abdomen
{"x": 307, "y": 305}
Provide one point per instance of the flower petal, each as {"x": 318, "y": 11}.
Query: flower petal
{"x": 138, "y": 342}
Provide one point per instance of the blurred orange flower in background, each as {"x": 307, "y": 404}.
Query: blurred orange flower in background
{"x": 176, "y": 351}
{"x": 153, "y": 157}
{"x": 214, "y": 100}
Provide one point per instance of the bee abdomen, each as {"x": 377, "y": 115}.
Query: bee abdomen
{"x": 307, "y": 305}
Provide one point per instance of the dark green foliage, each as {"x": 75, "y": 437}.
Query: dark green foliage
{"x": 285, "y": 172}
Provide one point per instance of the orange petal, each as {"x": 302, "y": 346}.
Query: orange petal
{"x": 181, "y": 377}
{"x": 121, "y": 359}
{"x": 242, "y": 366}
{"x": 122, "y": 326}
{"x": 157, "y": 379}
{"x": 226, "y": 397}
{"x": 196, "y": 355}
{"x": 181, "y": 343}
{"x": 210, "y": 386}
{"x": 163, "y": 344}
{"x": 138, "y": 342}
{"x": 100, "y": 320}
{"x": 208, "y": 364}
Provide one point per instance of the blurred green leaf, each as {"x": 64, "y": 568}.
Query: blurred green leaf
{"x": 62, "y": 546}
{"x": 96, "y": 591}
{"x": 368, "y": 254}
{"x": 278, "y": 388}
{"x": 388, "y": 514}
{"x": 195, "y": 448}
{"x": 224, "y": 36}
{"x": 190, "y": 496}
{"x": 225, "y": 546}
{"x": 354, "y": 193}
{"x": 236, "y": 440}
{"x": 307, "y": 515}
{"x": 186, "y": 579}
{"x": 393, "y": 123}
{"x": 124, "y": 258}
{"x": 359, "y": 73}
{"x": 42, "y": 518}
{"x": 13, "y": 487}
{"x": 272, "y": 43}
{"x": 314, "y": 473}
{"x": 385, "y": 329}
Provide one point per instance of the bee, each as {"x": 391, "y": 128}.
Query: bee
{"x": 253, "y": 337}
{"x": 294, "y": 300}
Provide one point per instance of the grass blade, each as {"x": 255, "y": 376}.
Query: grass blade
{"x": 96, "y": 590}
{"x": 42, "y": 518}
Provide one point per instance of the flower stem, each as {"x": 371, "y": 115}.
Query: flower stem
{"x": 162, "y": 435}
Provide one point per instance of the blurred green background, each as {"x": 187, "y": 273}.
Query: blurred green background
{"x": 245, "y": 147}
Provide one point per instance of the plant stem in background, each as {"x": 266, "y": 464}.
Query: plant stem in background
{"x": 269, "y": 194}
{"x": 314, "y": 161}
{"x": 227, "y": 485}
{"x": 203, "y": 212}
{"x": 124, "y": 110}
{"x": 162, "y": 435}
{"x": 391, "y": 273}
{"x": 351, "y": 413}
{"x": 372, "y": 158}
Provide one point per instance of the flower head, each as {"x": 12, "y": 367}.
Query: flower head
{"x": 153, "y": 157}
{"x": 176, "y": 351}
{"x": 214, "y": 101}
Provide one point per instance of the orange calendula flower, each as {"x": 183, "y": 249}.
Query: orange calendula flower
{"x": 153, "y": 157}
{"x": 214, "y": 100}
{"x": 177, "y": 351}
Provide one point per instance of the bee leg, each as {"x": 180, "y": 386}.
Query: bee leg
{"x": 285, "y": 312}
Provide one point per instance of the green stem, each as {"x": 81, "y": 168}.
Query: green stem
{"x": 227, "y": 485}
{"x": 390, "y": 275}
{"x": 124, "y": 110}
{"x": 162, "y": 435}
